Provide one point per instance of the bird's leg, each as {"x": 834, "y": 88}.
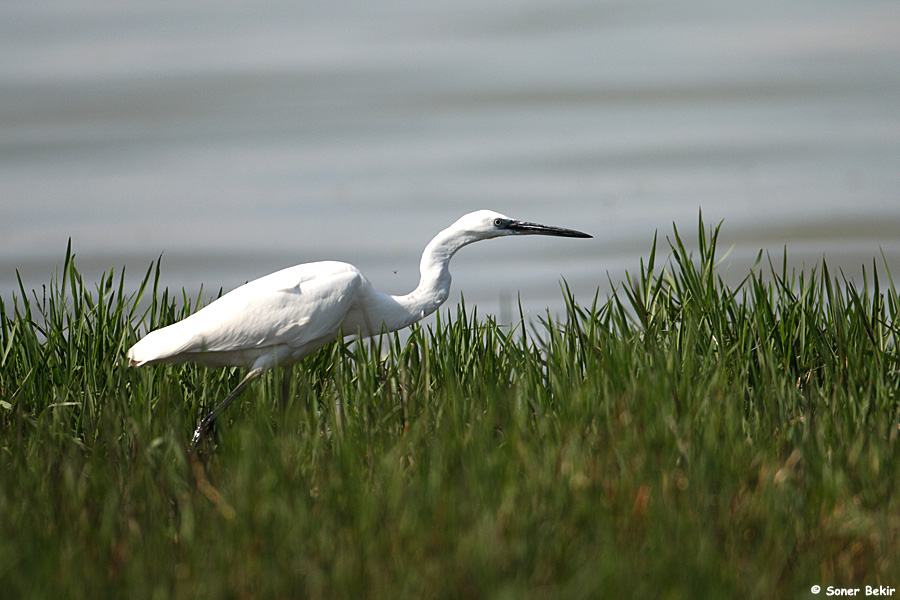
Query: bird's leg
{"x": 207, "y": 422}
{"x": 286, "y": 373}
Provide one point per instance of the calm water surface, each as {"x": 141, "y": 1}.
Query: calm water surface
{"x": 238, "y": 138}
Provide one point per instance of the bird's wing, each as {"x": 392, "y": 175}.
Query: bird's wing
{"x": 293, "y": 308}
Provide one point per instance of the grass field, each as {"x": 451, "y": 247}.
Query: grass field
{"x": 683, "y": 439}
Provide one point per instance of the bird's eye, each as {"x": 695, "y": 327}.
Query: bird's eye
{"x": 498, "y": 222}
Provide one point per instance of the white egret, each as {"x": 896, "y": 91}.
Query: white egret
{"x": 280, "y": 318}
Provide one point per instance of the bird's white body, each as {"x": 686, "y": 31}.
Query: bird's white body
{"x": 283, "y": 317}
{"x": 287, "y": 315}
{"x": 280, "y": 318}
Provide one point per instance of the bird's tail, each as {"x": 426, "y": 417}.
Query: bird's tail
{"x": 158, "y": 346}
{"x": 141, "y": 353}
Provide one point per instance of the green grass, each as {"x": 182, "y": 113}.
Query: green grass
{"x": 685, "y": 438}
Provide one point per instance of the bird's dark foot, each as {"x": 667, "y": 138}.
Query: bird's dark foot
{"x": 202, "y": 429}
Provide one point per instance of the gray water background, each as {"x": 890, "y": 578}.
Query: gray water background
{"x": 237, "y": 138}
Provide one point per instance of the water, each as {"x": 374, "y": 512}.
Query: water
{"x": 238, "y": 138}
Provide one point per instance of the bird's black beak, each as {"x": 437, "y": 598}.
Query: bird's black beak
{"x": 525, "y": 228}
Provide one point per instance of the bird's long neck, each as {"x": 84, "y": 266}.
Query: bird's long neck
{"x": 434, "y": 281}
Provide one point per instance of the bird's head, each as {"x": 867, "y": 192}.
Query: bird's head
{"x": 487, "y": 224}
{"x": 475, "y": 226}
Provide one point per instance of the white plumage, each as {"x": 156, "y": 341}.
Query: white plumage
{"x": 281, "y": 318}
{"x": 276, "y": 319}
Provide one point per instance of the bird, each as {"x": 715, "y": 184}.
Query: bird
{"x": 280, "y": 318}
